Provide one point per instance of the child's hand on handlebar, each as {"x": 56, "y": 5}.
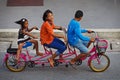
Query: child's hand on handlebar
{"x": 90, "y": 31}
{"x": 35, "y": 28}
{"x": 63, "y": 28}
{"x": 92, "y": 39}
{"x": 35, "y": 37}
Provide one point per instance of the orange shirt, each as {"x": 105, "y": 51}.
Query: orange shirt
{"x": 46, "y": 33}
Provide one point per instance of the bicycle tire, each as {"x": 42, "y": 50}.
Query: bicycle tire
{"x": 98, "y": 69}
{"x": 11, "y": 67}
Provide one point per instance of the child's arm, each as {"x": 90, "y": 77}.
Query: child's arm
{"x": 59, "y": 35}
{"x": 27, "y": 33}
{"x": 50, "y": 31}
{"x": 84, "y": 31}
{"x": 58, "y": 27}
{"x": 29, "y": 30}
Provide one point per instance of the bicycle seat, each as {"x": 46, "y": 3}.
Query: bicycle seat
{"x": 27, "y": 44}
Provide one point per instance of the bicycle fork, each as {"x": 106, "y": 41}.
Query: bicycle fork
{"x": 94, "y": 56}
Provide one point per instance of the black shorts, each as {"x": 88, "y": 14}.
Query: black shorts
{"x": 22, "y": 41}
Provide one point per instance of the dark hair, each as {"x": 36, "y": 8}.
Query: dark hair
{"x": 21, "y": 22}
{"x": 78, "y": 14}
{"x": 45, "y": 15}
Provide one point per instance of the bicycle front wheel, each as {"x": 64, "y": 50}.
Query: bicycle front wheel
{"x": 14, "y": 66}
{"x": 100, "y": 63}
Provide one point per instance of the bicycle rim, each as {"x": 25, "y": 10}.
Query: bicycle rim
{"x": 15, "y": 67}
{"x": 100, "y": 64}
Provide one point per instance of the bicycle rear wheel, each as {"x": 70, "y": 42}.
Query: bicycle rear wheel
{"x": 100, "y": 63}
{"x": 14, "y": 66}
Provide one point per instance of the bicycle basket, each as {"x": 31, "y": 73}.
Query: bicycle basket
{"x": 102, "y": 46}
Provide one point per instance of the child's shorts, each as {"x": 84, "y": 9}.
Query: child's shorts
{"x": 57, "y": 44}
{"x": 82, "y": 46}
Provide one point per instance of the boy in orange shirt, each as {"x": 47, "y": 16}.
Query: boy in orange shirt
{"x": 49, "y": 38}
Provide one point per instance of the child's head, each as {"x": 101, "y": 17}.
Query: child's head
{"x": 79, "y": 14}
{"x": 23, "y": 22}
{"x": 48, "y": 16}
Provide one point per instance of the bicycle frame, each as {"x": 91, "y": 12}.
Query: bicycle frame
{"x": 38, "y": 60}
{"x": 63, "y": 57}
{"x": 48, "y": 53}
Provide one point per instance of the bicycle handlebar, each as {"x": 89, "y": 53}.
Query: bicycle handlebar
{"x": 96, "y": 35}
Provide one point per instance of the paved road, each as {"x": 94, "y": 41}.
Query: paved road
{"x": 62, "y": 73}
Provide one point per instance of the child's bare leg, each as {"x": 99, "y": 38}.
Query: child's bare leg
{"x": 35, "y": 42}
{"x": 19, "y": 51}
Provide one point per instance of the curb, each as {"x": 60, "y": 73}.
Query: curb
{"x": 103, "y": 33}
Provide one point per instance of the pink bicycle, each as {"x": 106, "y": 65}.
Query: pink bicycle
{"x": 98, "y": 61}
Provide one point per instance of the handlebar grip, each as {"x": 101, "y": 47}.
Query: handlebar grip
{"x": 93, "y": 32}
{"x": 37, "y": 29}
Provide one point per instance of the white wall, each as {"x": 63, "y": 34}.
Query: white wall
{"x": 97, "y": 13}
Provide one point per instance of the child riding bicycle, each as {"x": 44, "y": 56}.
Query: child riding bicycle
{"x": 76, "y": 38}
{"x": 24, "y": 36}
{"x": 49, "y": 38}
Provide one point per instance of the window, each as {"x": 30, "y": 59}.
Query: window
{"x": 25, "y": 2}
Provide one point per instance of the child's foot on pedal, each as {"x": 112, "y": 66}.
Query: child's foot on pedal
{"x": 51, "y": 62}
